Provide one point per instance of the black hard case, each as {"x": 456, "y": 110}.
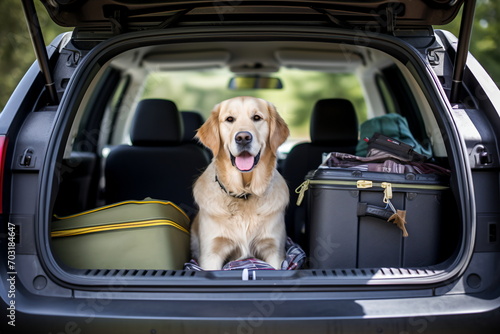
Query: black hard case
{"x": 342, "y": 237}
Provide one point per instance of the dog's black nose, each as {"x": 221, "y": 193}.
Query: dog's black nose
{"x": 243, "y": 138}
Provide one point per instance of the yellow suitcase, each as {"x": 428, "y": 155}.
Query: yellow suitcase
{"x": 147, "y": 234}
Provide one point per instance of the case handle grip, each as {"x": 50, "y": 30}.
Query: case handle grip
{"x": 398, "y": 217}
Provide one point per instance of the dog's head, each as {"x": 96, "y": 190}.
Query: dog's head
{"x": 244, "y": 129}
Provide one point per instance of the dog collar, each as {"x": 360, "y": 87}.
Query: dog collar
{"x": 239, "y": 196}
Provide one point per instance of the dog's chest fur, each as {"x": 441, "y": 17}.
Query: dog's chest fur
{"x": 233, "y": 213}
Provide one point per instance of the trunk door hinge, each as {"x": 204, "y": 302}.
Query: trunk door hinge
{"x": 391, "y": 19}
{"x": 117, "y": 16}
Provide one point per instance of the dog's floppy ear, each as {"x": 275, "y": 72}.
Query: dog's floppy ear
{"x": 278, "y": 130}
{"x": 208, "y": 133}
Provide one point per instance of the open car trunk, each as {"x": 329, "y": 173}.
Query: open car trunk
{"x": 372, "y": 251}
{"x": 390, "y": 47}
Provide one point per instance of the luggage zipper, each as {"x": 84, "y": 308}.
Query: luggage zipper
{"x": 363, "y": 184}
{"x": 147, "y": 201}
{"x": 119, "y": 226}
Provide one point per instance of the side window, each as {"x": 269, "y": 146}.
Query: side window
{"x": 398, "y": 98}
{"x": 386, "y": 94}
{"x": 91, "y": 132}
{"x": 112, "y": 113}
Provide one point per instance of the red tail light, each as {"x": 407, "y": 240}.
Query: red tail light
{"x": 3, "y": 152}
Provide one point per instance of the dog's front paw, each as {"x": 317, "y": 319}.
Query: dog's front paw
{"x": 211, "y": 263}
{"x": 276, "y": 261}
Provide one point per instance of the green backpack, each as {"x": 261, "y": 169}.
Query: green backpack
{"x": 390, "y": 125}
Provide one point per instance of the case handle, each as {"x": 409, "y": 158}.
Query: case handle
{"x": 397, "y": 216}
{"x": 365, "y": 209}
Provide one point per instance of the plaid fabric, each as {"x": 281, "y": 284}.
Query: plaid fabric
{"x": 294, "y": 259}
{"x": 380, "y": 161}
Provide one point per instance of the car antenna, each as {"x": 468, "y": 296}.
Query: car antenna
{"x": 40, "y": 48}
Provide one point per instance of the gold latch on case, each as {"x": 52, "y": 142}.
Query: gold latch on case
{"x": 364, "y": 184}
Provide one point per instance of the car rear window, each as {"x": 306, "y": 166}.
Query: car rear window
{"x": 201, "y": 90}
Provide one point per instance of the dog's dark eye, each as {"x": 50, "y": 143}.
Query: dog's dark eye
{"x": 230, "y": 119}
{"x": 257, "y": 118}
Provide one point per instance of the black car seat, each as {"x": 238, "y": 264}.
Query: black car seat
{"x": 157, "y": 164}
{"x": 192, "y": 121}
{"x": 333, "y": 128}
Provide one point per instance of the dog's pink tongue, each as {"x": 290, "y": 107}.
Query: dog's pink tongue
{"x": 244, "y": 161}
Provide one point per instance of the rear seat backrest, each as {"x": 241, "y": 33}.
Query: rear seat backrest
{"x": 192, "y": 121}
{"x": 158, "y": 164}
{"x": 333, "y": 128}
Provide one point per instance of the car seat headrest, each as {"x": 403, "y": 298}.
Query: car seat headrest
{"x": 334, "y": 122}
{"x": 156, "y": 122}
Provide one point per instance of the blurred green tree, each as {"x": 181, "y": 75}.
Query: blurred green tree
{"x": 16, "y": 50}
{"x": 485, "y": 42}
{"x": 485, "y": 39}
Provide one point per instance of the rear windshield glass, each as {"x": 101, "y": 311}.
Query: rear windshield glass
{"x": 201, "y": 90}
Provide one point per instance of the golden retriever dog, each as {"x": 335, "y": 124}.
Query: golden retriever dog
{"x": 241, "y": 196}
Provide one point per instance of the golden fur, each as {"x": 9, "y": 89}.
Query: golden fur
{"x": 227, "y": 227}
